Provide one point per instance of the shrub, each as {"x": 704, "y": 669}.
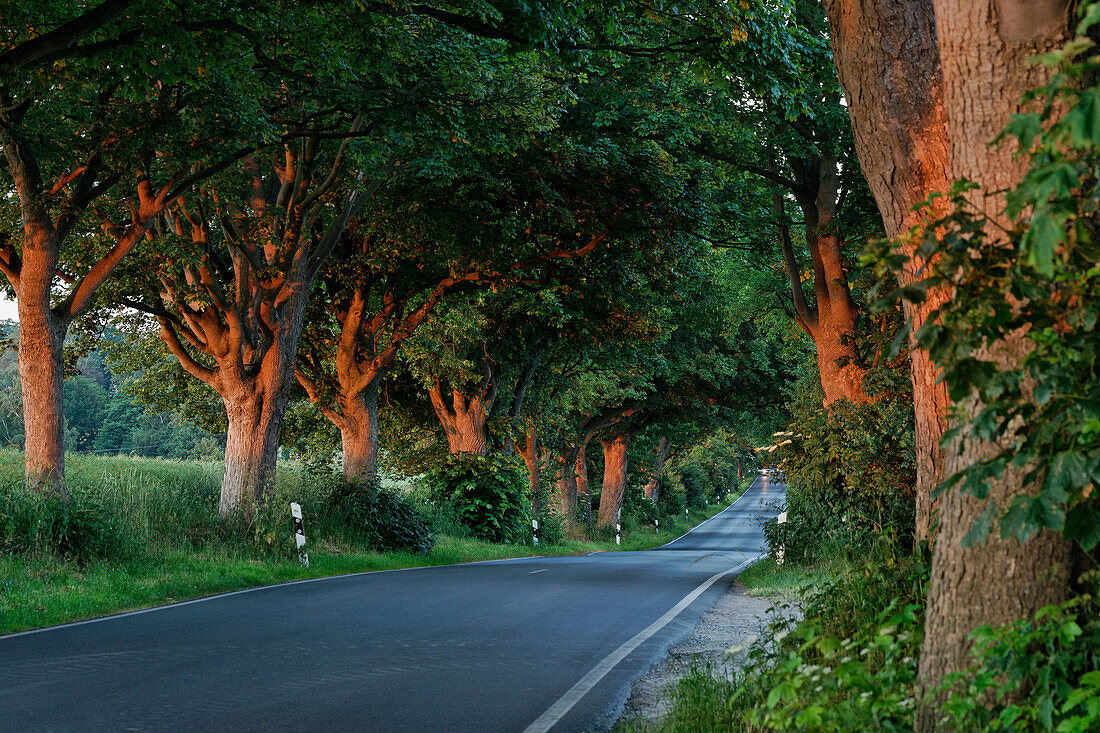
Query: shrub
{"x": 551, "y": 531}
{"x": 851, "y": 661}
{"x": 383, "y": 518}
{"x": 670, "y": 498}
{"x": 848, "y": 664}
{"x": 489, "y": 494}
{"x": 636, "y": 505}
{"x": 78, "y": 529}
{"x": 694, "y": 480}
{"x": 851, "y": 470}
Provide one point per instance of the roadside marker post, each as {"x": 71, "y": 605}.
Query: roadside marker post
{"x": 618, "y": 527}
{"x": 657, "y": 526}
{"x": 781, "y": 551}
{"x": 299, "y": 532}
{"x": 535, "y": 531}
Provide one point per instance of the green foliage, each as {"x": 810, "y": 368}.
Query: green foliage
{"x": 551, "y": 530}
{"x": 1055, "y": 656}
{"x": 489, "y": 494}
{"x": 636, "y": 505}
{"x": 671, "y": 500}
{"x": 1019, "y": 333}
{"x": 848, "y": 664}
{"x": 80, "y": 529}
{"x": 84, "y": 403}
{"x": 116, "y": 430}
{"x": 695, "y": 483}
{"x": 382, "y": 518}
{"x": 851, "y": 470}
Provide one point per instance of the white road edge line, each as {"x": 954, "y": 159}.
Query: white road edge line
{"x": 573, "y": 695}
{"x": 743, "y": 494}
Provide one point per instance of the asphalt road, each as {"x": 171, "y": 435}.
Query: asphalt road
{"x": 516, "y": 645}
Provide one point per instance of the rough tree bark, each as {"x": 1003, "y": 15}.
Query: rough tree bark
{"x": 528, "y": 450}
{"x": 889, "y": 66}
{"x": 614, "y": 478}
{"x": 359, "y": 436}
{"x": 984, "y": 50}
{"x": 41, "y": 372}
{"x": 464, "y": 420}
{"x": 565, "y": 464}
{"x": 653, "y": 486}
{"x": 255, "y": 409}
{"x": 831, "y": 320}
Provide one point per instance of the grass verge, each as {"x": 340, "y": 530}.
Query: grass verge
{"x": 38, "y": 590}
{"x": 787, "y": 582}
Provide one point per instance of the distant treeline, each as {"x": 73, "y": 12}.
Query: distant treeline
{"x": 101, "y": 416}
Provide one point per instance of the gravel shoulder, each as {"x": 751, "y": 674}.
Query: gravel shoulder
{"x": 731, "y": 624}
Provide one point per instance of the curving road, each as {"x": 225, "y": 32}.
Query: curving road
{"x": 531, "y": 644}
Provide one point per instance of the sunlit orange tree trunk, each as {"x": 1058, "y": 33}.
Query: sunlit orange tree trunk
{"x": 889, "y": 66}
{"x": 614, "y": 478}
{"x": 652, "y": 487}
{"x": 830, "y": 320}
{"x": 83, "y": 153}
{"x": 985, "y": 51}
{"x": 931, "y": 83}
{"x": 464, "y": 420}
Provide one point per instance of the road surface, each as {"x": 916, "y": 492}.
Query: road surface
{"x": 524, "y": 645}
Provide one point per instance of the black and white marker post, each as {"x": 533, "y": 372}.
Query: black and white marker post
{"x": 657, "y": 526}
{"x": 618, "y": 526}
{"x": 535, "y": 531}
{"x": 781, "y": 520}
{"x": 299, "y": 533}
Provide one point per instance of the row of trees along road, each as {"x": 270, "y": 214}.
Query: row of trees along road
{"x": 521, "y": 226}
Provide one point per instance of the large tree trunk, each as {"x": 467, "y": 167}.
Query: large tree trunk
{"x": 566, "y": 464}
{"x": 834, "y": 327}
{"x": 831, "y": 320}
{"x": 837, "y": 358}
{"x": 530, "y": 459}
{"x": 32, "y": 272}
{"x": 889, "y": 66}
{"x": 984, "y": 46}
{"x": 41, "y": 372}
{"x": 653, "y": 486}
{"x": 614, "y": 479}
{"x": 359, "y": 434}
{"x": 251, "y": 450}
{"x": 584, "y": 491}
{"x": 255, "y": 403}
{"x": 464, "y": 420}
